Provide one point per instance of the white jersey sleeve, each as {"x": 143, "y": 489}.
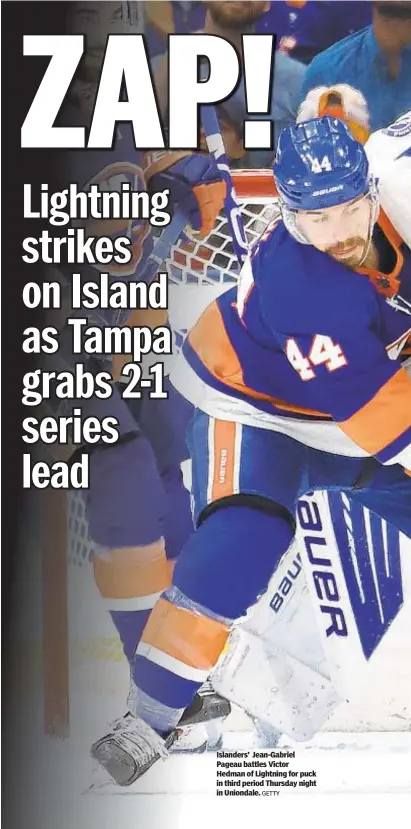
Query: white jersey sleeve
{"x": 389, "y": 154}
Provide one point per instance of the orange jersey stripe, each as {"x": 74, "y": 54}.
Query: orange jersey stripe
{"x": 210, "y": 341}
{"x": 195, "y": 640}
{"x": 144, "y": 573}
{"x": 384, "y": 418}
{"x": 170, "y": 567}
{"x": 150, "y": 317}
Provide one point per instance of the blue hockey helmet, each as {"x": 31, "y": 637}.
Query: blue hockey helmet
{"x": 319, "y": 164}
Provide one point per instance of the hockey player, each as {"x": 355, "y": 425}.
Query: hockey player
{"x": 138, "y": 508}
{"x": 389, "y": 154}
{"x": 298, "y": 382}
{"x": 388, "y": 150}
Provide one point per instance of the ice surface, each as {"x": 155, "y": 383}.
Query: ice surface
{"x": 363, "y": 779}
{"x": 353, "y": 771}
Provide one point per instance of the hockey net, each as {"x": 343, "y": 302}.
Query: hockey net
{"x": 80, "y": 645}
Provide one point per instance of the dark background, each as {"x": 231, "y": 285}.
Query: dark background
{"x": 20, "y": 79}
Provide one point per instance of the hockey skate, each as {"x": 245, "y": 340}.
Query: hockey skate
{"x": 131, "y": 747}
{"x": 200, "y": 728}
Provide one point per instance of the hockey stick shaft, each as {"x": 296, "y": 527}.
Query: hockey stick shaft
{"x": 216, "y": 148}
{"x": 164, "y": 244}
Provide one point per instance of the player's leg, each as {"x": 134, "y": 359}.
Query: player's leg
{"x": 165, "y": 423}
{"x": 183, "y": 638}
{"x": 139, "y": 515}
{"x": 125, "y": 507}
{"x": 245, "y": 484}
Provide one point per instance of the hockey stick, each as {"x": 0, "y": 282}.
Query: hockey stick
{"x": 163, "y": 245}
{"x": 216, "y": 148}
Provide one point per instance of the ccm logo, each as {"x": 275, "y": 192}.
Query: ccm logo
{"x": 324, "y": 579}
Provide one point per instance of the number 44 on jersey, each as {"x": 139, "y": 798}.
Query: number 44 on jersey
{"x": 323, "y": 351}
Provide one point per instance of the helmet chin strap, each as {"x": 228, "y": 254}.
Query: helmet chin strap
{"x": 375, "y": 209}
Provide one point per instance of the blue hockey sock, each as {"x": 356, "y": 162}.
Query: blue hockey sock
{"x": 224, "y": 566}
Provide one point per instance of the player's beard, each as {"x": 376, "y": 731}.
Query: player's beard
{"x": 357, "y": 244}
{"x": 235, "y": 15}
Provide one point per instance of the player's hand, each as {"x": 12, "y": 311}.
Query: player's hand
{"x": 340, "y": 101}
{"x": 194, "y": 183}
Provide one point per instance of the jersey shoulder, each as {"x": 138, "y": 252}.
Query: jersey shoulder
{"x": 389, "y": 144}
{"x": 389, "y": 155}
{"x": 301, "y": 289}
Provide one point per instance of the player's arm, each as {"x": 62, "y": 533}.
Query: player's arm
{"x": 339, "y": 351}
{"x": 351, "y": 378}
{"x": 382, "y": 425}
{"x": 389, "y": 154}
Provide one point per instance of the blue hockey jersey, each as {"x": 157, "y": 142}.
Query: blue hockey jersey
{"x": 305, "y": 346}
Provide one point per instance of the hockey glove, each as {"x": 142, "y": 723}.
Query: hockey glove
{"x": 194, "y": 183}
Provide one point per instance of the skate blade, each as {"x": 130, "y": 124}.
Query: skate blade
{"x": 101, "y": 782}
{"x": 196, "y": 750}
